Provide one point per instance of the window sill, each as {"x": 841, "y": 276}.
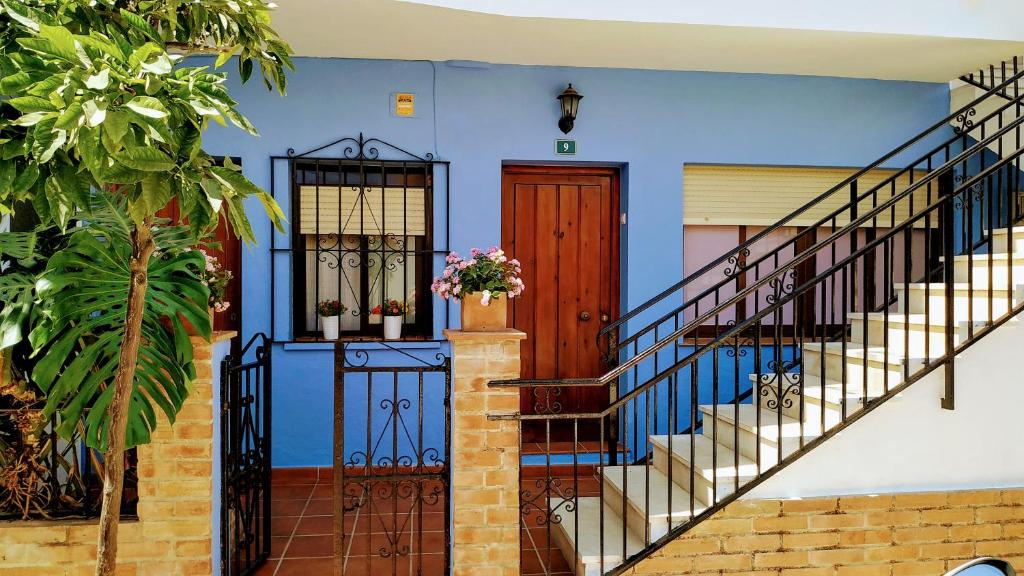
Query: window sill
{"x": 363, "y": 344}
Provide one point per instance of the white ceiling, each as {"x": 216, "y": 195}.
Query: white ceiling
{"x": 393, "y": 29}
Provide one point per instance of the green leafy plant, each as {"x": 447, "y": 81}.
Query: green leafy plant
{"x": 102, "y": 120}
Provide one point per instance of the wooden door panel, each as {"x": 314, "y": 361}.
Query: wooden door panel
{"x": 562, "y": 226}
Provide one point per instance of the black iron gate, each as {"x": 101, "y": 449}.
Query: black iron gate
{"x": 245, "y": 458}
{"x": 392, "y": 441}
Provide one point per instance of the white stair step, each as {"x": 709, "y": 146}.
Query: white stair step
{"x": 1001, "y": 240}
{"x": 586, "y": 552}
{"x": 714, "y": 473}
{"x": 814, "y": 398}
{"x": 747, "y": 430}
{"x": 833, "y": 396}
{"x": 883, "y": 370}
{"x": 905, "y": 332}
{"x": 979, "y": 265}
{"x": 857, "y": 351}
{"x": 969, "y": 301}
{"x": 635, "y": 481}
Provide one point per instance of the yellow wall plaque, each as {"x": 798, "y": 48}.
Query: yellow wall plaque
{"x": 405, "y": 104}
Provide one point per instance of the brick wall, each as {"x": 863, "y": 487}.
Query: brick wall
{"x": 173, "y": 535}
{"x": 485, "y": 454}
{"x": 887, "y": 535}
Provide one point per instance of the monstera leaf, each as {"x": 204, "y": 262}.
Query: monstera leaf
{"x": 77, "y": 340}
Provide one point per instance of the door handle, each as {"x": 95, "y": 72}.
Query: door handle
{"x": 584, "y": 316}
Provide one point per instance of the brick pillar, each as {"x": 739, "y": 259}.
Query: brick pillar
{"x": 485, "y": 454}
{"x": 176, "y": 480}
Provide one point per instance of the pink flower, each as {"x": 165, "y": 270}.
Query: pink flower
{"x": 475, "y": 252}
{"x": 453, "y": 257}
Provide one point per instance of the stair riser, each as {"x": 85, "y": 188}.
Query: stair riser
{"x": 914, "y": 303}
{"x": 634, "y": 518}
{"x": 1000, "y": 272}
{"x": 897, "y": 337}
{"x": 1002, "y": 242}
{"x": 811, "y": 408}
{"x": 748, "y": 441}
{"x": 703, "y": 489}
{"x": 833, "y": 369}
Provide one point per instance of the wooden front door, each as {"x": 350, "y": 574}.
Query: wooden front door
{"x": 562, "y": 223}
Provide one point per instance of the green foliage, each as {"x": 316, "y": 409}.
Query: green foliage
{"x": 80, "y": 321}
{"x": 94, "y": 96}
{"x": 98, "y": 107}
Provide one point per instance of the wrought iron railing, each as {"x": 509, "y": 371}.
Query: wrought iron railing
{"x": 901, "y": 282}
{"x": 657, "y": 323}
{"x": 44, "y": 476}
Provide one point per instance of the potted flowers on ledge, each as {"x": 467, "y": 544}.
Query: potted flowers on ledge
{"x": 394, "y": 312}
{"x": 480, "y": 282}
{"x": 329, "y": 311}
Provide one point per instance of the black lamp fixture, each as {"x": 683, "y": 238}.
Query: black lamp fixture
{"x": 570, "y": 101}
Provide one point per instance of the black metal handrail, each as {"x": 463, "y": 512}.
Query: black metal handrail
{"x": 679, "y": 331}
{"x": 897, "y": 293}
{"x": 734, "y": 258}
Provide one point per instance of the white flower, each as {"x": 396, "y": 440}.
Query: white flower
{"x": 486, "y": 298}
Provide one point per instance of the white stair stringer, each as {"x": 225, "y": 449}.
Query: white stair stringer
{"x": 735, "y": 443}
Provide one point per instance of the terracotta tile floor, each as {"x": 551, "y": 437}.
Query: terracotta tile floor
{"x": 302, "y": 541}
{"x": 302, "y": 523}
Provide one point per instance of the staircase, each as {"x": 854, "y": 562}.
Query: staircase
{"x": 784, "y": 347}
{"x": 738, "y": 441}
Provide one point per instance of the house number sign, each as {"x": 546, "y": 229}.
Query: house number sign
{"x": 565, "y": 147}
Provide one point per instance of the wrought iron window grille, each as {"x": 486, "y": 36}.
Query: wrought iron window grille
{"x": 369, "y": 224}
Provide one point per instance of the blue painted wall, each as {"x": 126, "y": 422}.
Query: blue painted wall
{"x": 648, "y": 122}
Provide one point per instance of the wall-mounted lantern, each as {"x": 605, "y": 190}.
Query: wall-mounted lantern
{"x": 570, "y": 101}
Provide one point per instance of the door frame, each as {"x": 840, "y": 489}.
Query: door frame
{"x": 570, "y": 172}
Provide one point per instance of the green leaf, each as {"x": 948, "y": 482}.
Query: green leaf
{"x": 61, "y": 41}
{"x": 25, "y": 179}
{"x": 146, "y": 159}
{"x": 78, "y": 342}
{"x": 156, "y": 191}
{"x": 95, "y": 112}
{"x": 140, "y": 24}
{"x": 161, "y": 65}
{"x": 16, "y": 83}
{"x": 20, "y": 14}
{"x": 224, "y": 56}
{"x": 71, "y": 118}
{"x": 116, "y": 126}
{"x": 26, "y": 104}
{"x": 33, "y": 118}
{"x": 147, "y": 106}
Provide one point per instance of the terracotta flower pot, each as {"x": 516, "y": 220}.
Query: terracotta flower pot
{"x": 479, "y": 318}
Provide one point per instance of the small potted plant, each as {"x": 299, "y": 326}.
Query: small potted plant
{"x": 328, "y": 311}
{"x": 394, "y": 312}
{"x": 480, "y": 282}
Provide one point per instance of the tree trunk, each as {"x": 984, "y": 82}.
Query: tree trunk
{"x": 113, "y": 477}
